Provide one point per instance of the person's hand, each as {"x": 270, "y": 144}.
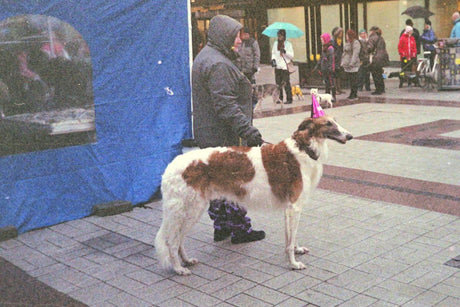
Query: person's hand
{"x": 273, "y": 63}
{"x": 283, "y": 51}
{"x": 254, "y": 138}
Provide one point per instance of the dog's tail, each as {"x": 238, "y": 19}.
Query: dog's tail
{"x": 161, "y": 247}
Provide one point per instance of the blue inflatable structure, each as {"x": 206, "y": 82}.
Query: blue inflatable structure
{"x": 139, "y": 111}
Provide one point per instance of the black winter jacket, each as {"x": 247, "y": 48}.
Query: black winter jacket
{"x": 222, "y": 106}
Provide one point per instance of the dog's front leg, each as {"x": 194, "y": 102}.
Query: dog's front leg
{"x": 292, "y": 217}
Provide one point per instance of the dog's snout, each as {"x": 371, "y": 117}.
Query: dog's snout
{"x": 349, "y": 137}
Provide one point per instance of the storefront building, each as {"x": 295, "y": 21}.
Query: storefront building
{"x": 316, "y": 17}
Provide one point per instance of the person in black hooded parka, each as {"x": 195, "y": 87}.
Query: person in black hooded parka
{"x": 222, "y": 109}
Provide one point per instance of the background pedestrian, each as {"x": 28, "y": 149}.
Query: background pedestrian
{"x": 282, "y": 54}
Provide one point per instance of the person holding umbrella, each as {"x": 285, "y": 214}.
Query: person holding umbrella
{"x": 282, "y": 54}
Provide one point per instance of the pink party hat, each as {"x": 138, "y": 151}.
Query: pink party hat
{"x": 316, "y": 110}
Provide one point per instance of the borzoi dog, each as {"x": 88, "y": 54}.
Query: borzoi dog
{"x": 270, "y": 177}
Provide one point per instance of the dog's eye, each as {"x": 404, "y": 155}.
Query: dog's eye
{"x": 329, "y": 124}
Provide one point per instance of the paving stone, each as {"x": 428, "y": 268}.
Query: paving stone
{"x": 75, "y": 277}
{"x": 234, "y": 289}
{"x": 387, "y": 296}
{"x": 430, "y": 280}
{"x": 449, "y": 302}
{"x": 427, "y": 298}
{"x": 160, "y": 292}
{"x": 197, "y": 298}
{"x": 334, "y": 291}
{"x": 267, "y": 295}
{"x": 299, "y": 285}
{"x": 95, "y": 294}
{"x": 39, "y": 271}
{"x": 356, "y": 280}
{"x": 244, "y": 300}
{"x": 284, "y": 279}
{"x": 219, "y": 283}
{"x": 59, "y": 284}
{"x": 175, "y": 302}
{"x": 144, "y": 276}
{"x": 447, "y": 289}
{"x": 125, "y": 284}
{"x": 125, "y": 299}
{"x": 383, "y": 267}
{"x": 294, "y": 302}
{"x": 359, "y": 300}
{"x": 318, "y": 298}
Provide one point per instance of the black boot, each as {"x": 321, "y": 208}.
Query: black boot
{"x": 222, "y": 234}
{"x": 243, "y": 237}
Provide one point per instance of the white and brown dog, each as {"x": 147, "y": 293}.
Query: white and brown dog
{"x": 322, "y": 97}
{"x": 271, "y": 177}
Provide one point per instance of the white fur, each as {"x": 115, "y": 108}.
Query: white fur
{"x": 183, "y": 206}
{"x": 322, "y": 97}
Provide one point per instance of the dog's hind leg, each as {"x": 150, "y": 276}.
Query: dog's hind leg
{"x": 170, "y": 236}
{"x": 292, "y": 217}
{"x": 188, "y": 224}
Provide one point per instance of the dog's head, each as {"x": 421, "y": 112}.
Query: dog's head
{"x": 318, "y": 129}
{"x": 314, "y": 91}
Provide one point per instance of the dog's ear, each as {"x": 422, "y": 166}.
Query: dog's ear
{"x": 306, "y": 124}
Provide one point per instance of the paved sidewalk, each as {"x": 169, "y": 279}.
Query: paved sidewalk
{"x": 366, "y": 249}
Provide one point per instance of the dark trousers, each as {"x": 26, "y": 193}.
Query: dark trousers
{"x": 353, "y": 79}
{"x": 228, "y": 215}
{"x": 329, "y": 81}
{"x": 377, "y": 72}
{"x": 282, "y": 78}
{"x": 364, "y": 77}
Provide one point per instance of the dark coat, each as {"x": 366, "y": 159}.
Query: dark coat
{"x": 376, "y": 46}
{"x": 327, "y": 62}
{"x": 222, "y": 106}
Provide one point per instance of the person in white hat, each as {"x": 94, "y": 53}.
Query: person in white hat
{"x": 407, "y": 49}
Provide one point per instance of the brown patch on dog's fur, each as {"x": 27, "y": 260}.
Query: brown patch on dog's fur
{"x": 241, "y": 148}
{"x": 225, "y": 170}
{"x": 283, "y": 171}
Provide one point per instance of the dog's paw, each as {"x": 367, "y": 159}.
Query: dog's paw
{"x": 182, "y": 271}
{"x": 297, "y": 265}
{"x": 191, "y": 261}
{"x": 301, "y": 250}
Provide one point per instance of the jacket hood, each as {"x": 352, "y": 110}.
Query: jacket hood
{"x": 222, "y": 33}
{"x": 326, "y": 37}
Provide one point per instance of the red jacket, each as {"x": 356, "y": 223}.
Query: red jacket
{"x": 407, "y": 47}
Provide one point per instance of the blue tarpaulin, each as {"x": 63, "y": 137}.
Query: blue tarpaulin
{"x": 140, "y": 78}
